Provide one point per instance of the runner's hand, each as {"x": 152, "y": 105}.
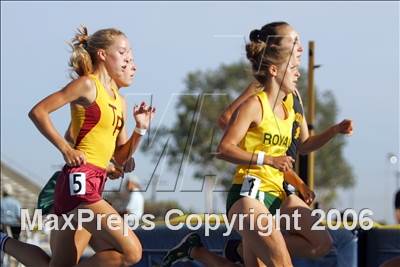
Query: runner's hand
{"x": 113, "y": 172}
{"x": 74, "y": 158}
{"x": 129, "y": 165}
{"x": 143, "y": 114}
{"x": 307, "y": 194}
{"x": 345, "y": 127}
{"x": 282, "y": 163}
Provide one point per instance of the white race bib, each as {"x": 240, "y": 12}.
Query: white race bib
{"x": 250, "y": 186}
{"x": 77, "y": 183}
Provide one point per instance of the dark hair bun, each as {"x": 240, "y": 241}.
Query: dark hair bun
{"x": 255, "y": 35}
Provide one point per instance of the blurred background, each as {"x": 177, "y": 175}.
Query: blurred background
{"x": 191, "y": 63}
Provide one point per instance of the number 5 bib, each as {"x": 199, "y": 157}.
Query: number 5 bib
{"x": 77, "y": 183}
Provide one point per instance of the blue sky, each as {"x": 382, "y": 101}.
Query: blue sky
{"x": 356, "y": 42}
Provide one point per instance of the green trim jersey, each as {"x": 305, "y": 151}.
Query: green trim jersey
{"x": 299, "y": 113}
{"x": 272, "y": 136}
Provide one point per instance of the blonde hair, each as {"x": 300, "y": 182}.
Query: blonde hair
{"x": 84, "y": 49}
{"x": 265, "y": 49}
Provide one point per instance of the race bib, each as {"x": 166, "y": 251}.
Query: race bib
{"x": 77, "y": 183}
{"x": 250, "y": 186}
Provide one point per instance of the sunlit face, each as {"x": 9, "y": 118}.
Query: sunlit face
{"x": 125, "y": 77}
{"x": 117, "y": 58}
{"x": 288, "y": 76}
{"x": 292, "y": 38}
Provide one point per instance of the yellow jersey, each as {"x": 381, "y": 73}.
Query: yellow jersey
{"x": 272, "y": 136}
{"x": 95, "y": 128}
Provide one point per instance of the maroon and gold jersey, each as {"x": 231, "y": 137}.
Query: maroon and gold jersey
{"x": 95, "y": 128}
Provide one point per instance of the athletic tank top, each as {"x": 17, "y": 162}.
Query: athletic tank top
{"x": 299, "y": 113}
{"x": 273, "y": 136}
{"x": 95, "y": 128}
